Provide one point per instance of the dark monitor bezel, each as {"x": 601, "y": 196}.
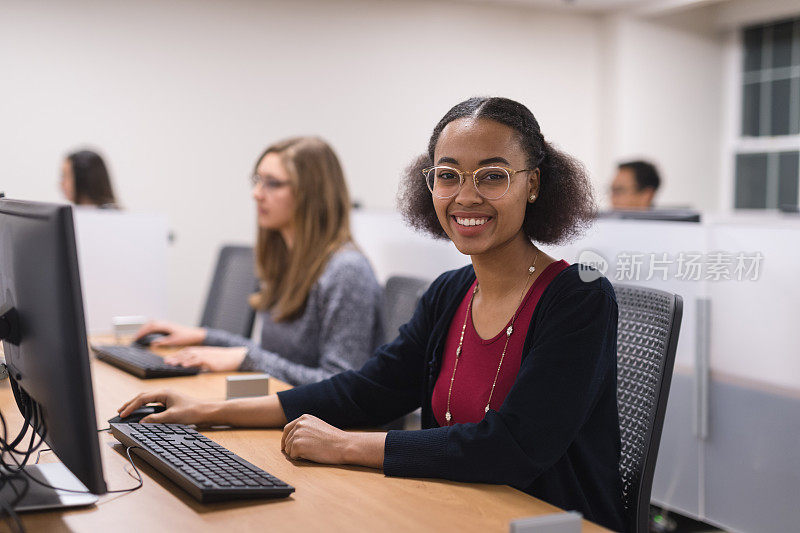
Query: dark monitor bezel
{"x": 656, "y": 215}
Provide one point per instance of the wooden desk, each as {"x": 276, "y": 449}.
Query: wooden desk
{"x": 327, "y": 498}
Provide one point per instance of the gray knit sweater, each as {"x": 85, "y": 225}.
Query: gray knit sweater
{"x": 339, "y": 329}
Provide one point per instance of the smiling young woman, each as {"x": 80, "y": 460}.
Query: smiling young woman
{"x": 512, "y": 358}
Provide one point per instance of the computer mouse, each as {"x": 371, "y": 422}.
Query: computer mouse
{"x": 146, "y": 340}
{"x": 137, "y": 414}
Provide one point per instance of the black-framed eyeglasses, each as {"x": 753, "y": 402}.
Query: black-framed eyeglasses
{"x": 267, "y": 182}
{"x": 491, "y": 182}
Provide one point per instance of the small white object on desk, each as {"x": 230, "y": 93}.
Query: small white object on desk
{"x": 550, "y": 523}
{"x": 247, "y": 386}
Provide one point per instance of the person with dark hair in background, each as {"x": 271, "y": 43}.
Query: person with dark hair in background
{"x": 85, "y": 180}
{"x": 511, "y": 358}
{"x": 634, "y": 186}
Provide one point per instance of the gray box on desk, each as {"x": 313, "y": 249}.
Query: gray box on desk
{"x": 247, "y": 386}
{"x": 569, "y": 522}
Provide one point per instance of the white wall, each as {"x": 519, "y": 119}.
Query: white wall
{"x": 663, "y": 80}
{"x": 181, "y": 97}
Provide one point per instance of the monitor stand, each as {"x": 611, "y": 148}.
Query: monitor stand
{"x": 38, "y": 497}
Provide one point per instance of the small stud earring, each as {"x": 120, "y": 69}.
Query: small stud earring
{"x": 533, "y": 197}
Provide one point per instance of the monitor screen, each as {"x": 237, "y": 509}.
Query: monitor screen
{"x": 47, "y": 354}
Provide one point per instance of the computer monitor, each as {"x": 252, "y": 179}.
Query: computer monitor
{"x": 44, "y": 337}
{"x": 661, "y": 215}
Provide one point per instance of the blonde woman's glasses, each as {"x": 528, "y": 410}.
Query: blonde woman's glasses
{"x": 491, "y": 183}
{"x": 267, "y": 183}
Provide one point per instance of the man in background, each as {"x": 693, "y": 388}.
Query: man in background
{"x": 634, "y": 186}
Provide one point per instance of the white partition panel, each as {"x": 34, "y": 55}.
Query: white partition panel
{"x": 756, "y": 319}
{"x": 752, "y": 454}
{"x": 394, "y": 248}
{"x": 123, "y": 263}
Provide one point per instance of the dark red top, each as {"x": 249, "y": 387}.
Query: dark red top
{"x": 480, "y": 357}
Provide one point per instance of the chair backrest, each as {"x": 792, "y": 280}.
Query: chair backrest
{"x": 234, "y": 280}
{"x": 400, "y": 297}
{"x": 647, "y": 336}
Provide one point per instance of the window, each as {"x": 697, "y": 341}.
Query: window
{"x": 768, "y": 149}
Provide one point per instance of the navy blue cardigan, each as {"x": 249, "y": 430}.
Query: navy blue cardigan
{"x": 556, "y": 436}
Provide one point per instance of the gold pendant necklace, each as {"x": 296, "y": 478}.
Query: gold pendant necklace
{"x": 509, "y": 330}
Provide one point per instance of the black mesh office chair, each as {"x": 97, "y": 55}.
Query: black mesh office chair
{"x": 400, "y": 297}
{"x": 234, "y": 280}
{"x": 647, "y": 336}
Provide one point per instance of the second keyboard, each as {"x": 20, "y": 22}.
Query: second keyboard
{"x": 140, "y": 362}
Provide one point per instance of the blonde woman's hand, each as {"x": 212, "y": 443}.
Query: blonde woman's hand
{"x": 209, "y": 358}
{"x": 175, "y": 334}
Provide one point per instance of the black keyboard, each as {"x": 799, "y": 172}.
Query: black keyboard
{"x": 203, "y": 468}
{"x": 140, "y": 362}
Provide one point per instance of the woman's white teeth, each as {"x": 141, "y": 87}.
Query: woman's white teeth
{"x": 471, "y": 221}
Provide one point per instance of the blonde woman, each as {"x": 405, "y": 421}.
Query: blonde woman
{"x": 319, "y": 299}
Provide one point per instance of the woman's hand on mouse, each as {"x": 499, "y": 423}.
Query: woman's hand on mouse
{"x": 181, "y": 409}
{"x": 175, "y": 334}
{"x": 209, "y": 359}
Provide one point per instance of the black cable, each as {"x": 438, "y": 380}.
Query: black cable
{"x": 11, "y": 448}
{"x": 7, "y": 475}
{"x": 130, "y": 459}
{"x": 31, "y": 448}
{"x": 29, "y": 408}
{"x": 24, "y": 403}
{"x": 4, "y": 508}
{"x": 3, "y": 439}
{"x": 138, "y": 474}
{"x": 20, "y": 495}
{"x": 35, "y": 426}
{"x": 8, "y": 508}
{"x": 19, "y": 437}
{"x": 39, "y": 454}
{"x": 26, "y": 476}
{"x": 32, "y": 417}
{"x": 13, "y": 516}
{"x": 11, "y": 508}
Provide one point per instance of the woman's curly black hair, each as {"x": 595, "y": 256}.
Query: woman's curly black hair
{"x": 565, "y": 206}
